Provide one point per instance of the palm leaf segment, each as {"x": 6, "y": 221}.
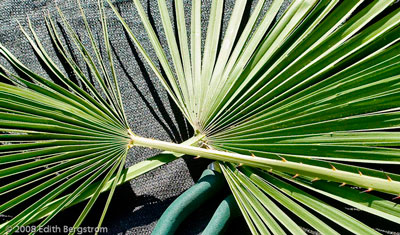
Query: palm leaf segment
{"x": 59, "y": 139}
{"x": 316, "y": 88}
{"x": 291, "y": 98}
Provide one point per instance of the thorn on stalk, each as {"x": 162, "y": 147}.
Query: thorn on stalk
{"x": 360, "y": 173}
{"x": 388, "y": 178}
{"x": 367, "y": 191}
{"x": 333, "y": 168}
{"x": 240, "y": 164}
{"x": 295, "y": 176}
{"x": 315, "y": 179}
{"x": 283, "y": 159}
{"x": 342, "y": 185}
{"x": 252, "y": 154}
{"x": 395, "y": 198}
{"x": 197, "y": 157}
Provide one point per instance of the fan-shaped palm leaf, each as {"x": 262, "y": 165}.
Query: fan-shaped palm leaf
{"x": 300, "y": 102}
{"x": 317, "y": 86}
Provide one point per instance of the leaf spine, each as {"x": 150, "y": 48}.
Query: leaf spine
{"x": 283, "y": 159}
{"x": 315, "y": 179}
{"x": 389, "y": 179}
{"x": 367, "y": 191}
{"x": 333, "y": 168}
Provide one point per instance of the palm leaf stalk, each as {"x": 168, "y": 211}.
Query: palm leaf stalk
{"x": 300, "y": 102}
{"x": 316, "y": 90}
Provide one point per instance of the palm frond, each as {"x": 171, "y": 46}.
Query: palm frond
{"x": 60, "y": 139}
{"x": 309, "y": 96}
{"x": 307, "y": 100}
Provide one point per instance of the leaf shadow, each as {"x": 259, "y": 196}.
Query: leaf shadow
{"x": 171, "y": 133}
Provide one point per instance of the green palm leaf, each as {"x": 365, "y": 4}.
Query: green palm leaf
{"x": 60, "y": 138}
{"x": 306, "y": 100}
{"x": 318, "y": 86}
